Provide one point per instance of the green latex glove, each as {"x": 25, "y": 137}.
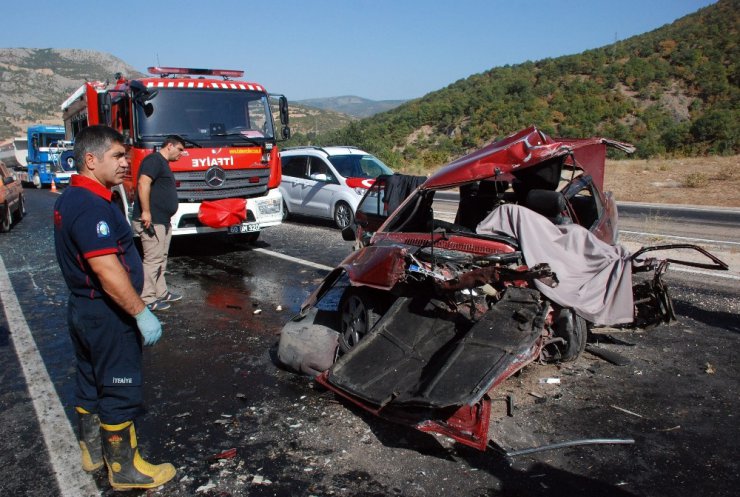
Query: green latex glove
{"x": 149, "y": 326}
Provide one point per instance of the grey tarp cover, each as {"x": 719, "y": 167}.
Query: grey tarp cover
{"x": 595, "y": 277}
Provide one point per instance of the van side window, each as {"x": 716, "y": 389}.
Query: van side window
{"x": 318, "y": 166}
{"x": 295, "y": 167}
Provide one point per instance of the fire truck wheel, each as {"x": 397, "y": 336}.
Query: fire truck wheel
{"x": 36, "y": 180}
{"x": 7, "y": 220}
{"x": 252, "y": 237}
{"x": 245, "y": 237}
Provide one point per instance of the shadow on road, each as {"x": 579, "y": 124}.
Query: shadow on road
{"x": 538, "y": 479}
{"x": 211, "y": 244}
{"x": 721, "y": 319}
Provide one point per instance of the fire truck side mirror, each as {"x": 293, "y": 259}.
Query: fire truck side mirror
{"x": 104, "y": 108}
{"x": 142, "y": 94}
{"x": 284, "y": 116}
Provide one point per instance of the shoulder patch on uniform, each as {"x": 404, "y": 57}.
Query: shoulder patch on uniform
{"x": 103, "y": 229}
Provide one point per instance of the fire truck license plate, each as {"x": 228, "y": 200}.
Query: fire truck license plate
{"x": 244, "y": 228}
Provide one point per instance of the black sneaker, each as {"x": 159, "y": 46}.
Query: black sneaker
{"x": 172, "y": 297}
{"x": 159, "y": 305}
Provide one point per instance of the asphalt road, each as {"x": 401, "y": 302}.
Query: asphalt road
{"x": 211, "y": 385}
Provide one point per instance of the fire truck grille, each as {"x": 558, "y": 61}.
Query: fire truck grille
{"x": 192, "y": 186}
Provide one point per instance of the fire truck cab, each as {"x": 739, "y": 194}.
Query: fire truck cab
{"x": 231, "y": 165}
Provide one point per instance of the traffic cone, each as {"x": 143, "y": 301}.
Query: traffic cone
{"x": 53, "y": 186}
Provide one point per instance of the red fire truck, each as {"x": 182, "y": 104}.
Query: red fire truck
{"x": 228, "y": 177}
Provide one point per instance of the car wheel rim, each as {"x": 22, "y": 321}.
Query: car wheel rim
{"x": 342, "y": 217}
{"x": 354, "y": 321}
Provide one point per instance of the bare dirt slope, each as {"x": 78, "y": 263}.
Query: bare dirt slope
{"x": 709, "y": 181}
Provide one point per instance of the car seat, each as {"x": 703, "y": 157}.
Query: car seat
{"x": 550, "y": 204}
{"x": 477, "y": 200}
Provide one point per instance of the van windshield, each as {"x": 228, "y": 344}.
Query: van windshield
{"x": 359, "y": 166}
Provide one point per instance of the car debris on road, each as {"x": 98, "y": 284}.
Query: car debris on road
{"x": 434, "y": 314}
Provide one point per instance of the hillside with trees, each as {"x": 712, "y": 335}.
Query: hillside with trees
{"x": 672, "y": 92}
{"x": 308, "y": 121}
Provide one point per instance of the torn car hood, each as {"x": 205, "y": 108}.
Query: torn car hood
{"x": 526, "y": 148}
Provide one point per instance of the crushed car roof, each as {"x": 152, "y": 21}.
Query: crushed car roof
{"x": 524, "y": 149}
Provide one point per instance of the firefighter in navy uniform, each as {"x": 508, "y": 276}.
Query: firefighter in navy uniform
{"x": 108, "y": 321}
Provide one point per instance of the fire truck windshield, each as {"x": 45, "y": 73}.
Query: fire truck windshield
{"x": 213, "y": 117}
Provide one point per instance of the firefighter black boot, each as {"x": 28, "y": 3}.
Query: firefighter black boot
{"x": 89, "y": 437}
{"x": 126, "y": 468}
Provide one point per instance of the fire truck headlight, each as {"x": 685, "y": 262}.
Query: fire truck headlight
{"x": 271, "y": 206}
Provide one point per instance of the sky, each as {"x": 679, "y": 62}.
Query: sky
{"x": 375, "y": 49}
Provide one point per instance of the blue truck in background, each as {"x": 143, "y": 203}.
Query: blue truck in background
{"x": 49, "y": 158}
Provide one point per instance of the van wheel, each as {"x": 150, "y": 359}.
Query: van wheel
{"x": 7, "y": 220}
{"x": 36, "y": 180}
{"x": 343, "y": 215}
{"x": 286, "y": 214}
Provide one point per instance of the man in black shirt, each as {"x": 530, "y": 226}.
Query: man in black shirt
{"x": 154, "y": 206}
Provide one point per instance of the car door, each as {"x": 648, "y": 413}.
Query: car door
{"x": 294, "y": 176}
{"x": 9, "y": 190}
{"x": 372, "y": 211}
{"x": 592, "y": 209}
{"x": 322, "y": 186}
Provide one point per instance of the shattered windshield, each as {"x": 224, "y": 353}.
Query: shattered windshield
{"x": 210, "y": 116}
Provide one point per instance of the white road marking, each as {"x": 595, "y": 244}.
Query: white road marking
{"x": 674, "y": 267}
{"x": 713, "y": 274}
{"x": 685, "y": 207}
{"x": 60, "y": 440}
{"x": 689, "y": 239}
{"x": 293, "y": 259}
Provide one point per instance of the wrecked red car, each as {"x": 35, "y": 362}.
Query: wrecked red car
{"x": 442, "y": 301}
